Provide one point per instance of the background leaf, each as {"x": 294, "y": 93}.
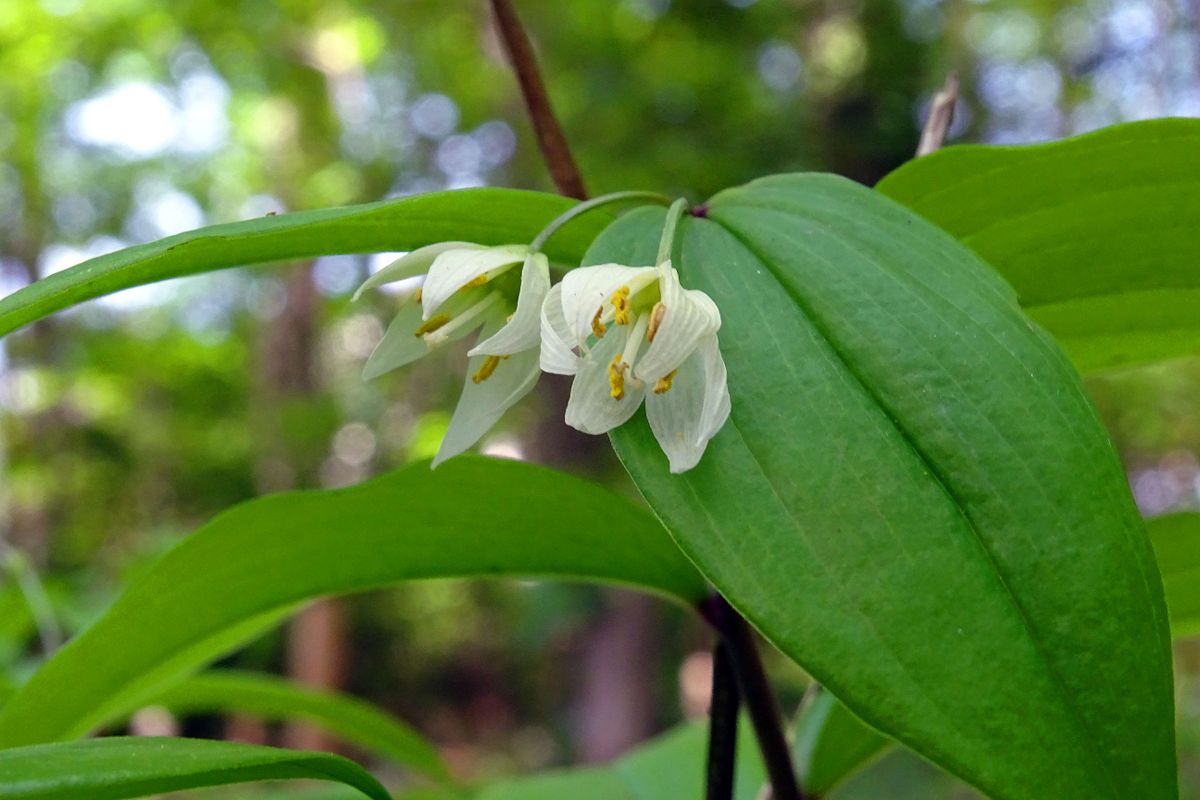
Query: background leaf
{"x": 486, "y": 216}
{"x": 1096, "y": 233}
{"x": 913, "y": 497}
{"x": 250, "y": 565}
{"x": 1176, "y": 540}
{"x": 114, "y": 768}
{"x": 276, "y": 699}
{"x": 831, "y": 743}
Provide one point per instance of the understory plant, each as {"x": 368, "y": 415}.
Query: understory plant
{"x": 856, "y": 418}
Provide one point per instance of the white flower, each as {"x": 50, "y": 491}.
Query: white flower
{"x": 630, "y": 334}
{"x": 468, "y": 288}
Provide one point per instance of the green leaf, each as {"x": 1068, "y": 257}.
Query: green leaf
{"x": 1097, "y": 234}
{"x": 486, "y": 216}
{"x": 913, "y": 497}
{"x": 669, "y": 767}
{"x": 110, "y": 769}
{"x": 472, "y": 517}
{"x": 274, "y": 698}
{"x": 1176, "y": 540}
{"x": 831, "y": 744}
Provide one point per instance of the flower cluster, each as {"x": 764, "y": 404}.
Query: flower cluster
{"x": 628, "y": 335}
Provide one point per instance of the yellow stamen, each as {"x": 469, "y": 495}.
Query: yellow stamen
{"x": 663, "y": 384}
{"x": 656, "y": 317}
{"x": 418, "y": 294}
{"x": 432, "y": 324}
{"x": 489, "y": 366}
{"x": 598, "y": 327}
{"x": 616, "y": 377}
{"x": 478, "y": 280}
{"x": 620, "y": 304}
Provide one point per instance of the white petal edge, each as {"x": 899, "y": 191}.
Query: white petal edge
{"x": 591, "y": 407}
{"x": 690, "y": 316}
{"x": 585, "y": 289}
{"x": 523, "y": 330}
{"x": 557, "y": 353}
{"x": 687, "y": 416}
{"x": 482, "y": 404}
{"x": 453, "y": 269}
{"x": 411, "y": 264}
{"x": 399, "y": 345}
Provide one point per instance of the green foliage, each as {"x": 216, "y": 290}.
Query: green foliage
{"x": 831, "y": 743}
{"x": 668, "y": 768}
{"x": 248, "y": 567}
{"x": 115, "y": 768}
{"x": 913, "y": 497}
{"x": 1097, "y": 234}
{"x": 485, "y": 216}
{"x": 273, "y": 698}
{"x": 1176, "y": 540}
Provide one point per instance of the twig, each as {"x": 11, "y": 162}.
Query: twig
{"x": 941, "y": 114}
{"x": 550, "y": 136}
{"x": 756, "y": 692}
{"x": 723, "y": 725}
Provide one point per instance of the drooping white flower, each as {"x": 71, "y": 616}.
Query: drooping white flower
{"x": 631, "y": 335}
{"x": 468, "y": 288}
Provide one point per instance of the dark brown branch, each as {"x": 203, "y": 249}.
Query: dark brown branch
{"x": 760, "y": 701}
{"x": 941, "y": 114}
{"x": 723, "y": 726}
{"x": 551, "y": 139}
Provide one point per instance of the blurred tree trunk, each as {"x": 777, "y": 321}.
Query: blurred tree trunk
{"x": 616, "y": 701}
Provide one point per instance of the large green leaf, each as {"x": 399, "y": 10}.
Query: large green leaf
{"x": 275, "y": 698}
{"x": 1176, "y": 540}
{"x": 486, "y": 216}
{"x": 110, "y": 769}
{"x": 1096, "y": 233}
{"x": 470, "y": 517}
{"x": 913, "y": 497}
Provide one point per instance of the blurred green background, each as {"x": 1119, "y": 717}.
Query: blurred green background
{"x": 128, "y": 421}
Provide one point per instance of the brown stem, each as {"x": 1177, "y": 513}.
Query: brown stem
{"x": 941, "y": 114}
{"x": 551, "y": 139}
{"x": 756, "y": 692}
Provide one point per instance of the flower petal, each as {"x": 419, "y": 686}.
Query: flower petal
{"x": 522, "y": 330}
{"x": 482, "y": 404}
{"x": 691, "y": 412}
{"x": 557, "y": 355}
{"x": 399, "y": 345}
{"x": 690, "y": 315}
{"x": 591, "y": 408}
{"x": 415, "y": 263}
{"x": 454, "y": 269}
{"x": 587, "y": 288}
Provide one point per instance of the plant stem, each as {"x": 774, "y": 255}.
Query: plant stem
{"x": 666, "y": 245}
{"x": 756, "y": 692}
{"x": 941, "y": 115}
{"x": 723, "y": 726}
{"x": 551, "y": 139}
{"x": 595, "y": 202}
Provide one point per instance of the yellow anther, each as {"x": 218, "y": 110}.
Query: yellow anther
{"x": 656, "y": 317}
{"x": 598, "y": 327}
{"x": 616, "y": 378}
{"x": 432, "y": 324}
{"x": 489, "y": 366}
{"x": 663, "y": 384}
{"x": 478, "y": 280}
{"x": 418, "y": 294}
{"x": 620, "y": 304}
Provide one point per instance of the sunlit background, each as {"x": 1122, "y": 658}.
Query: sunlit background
{"x": 130, "y": 420}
